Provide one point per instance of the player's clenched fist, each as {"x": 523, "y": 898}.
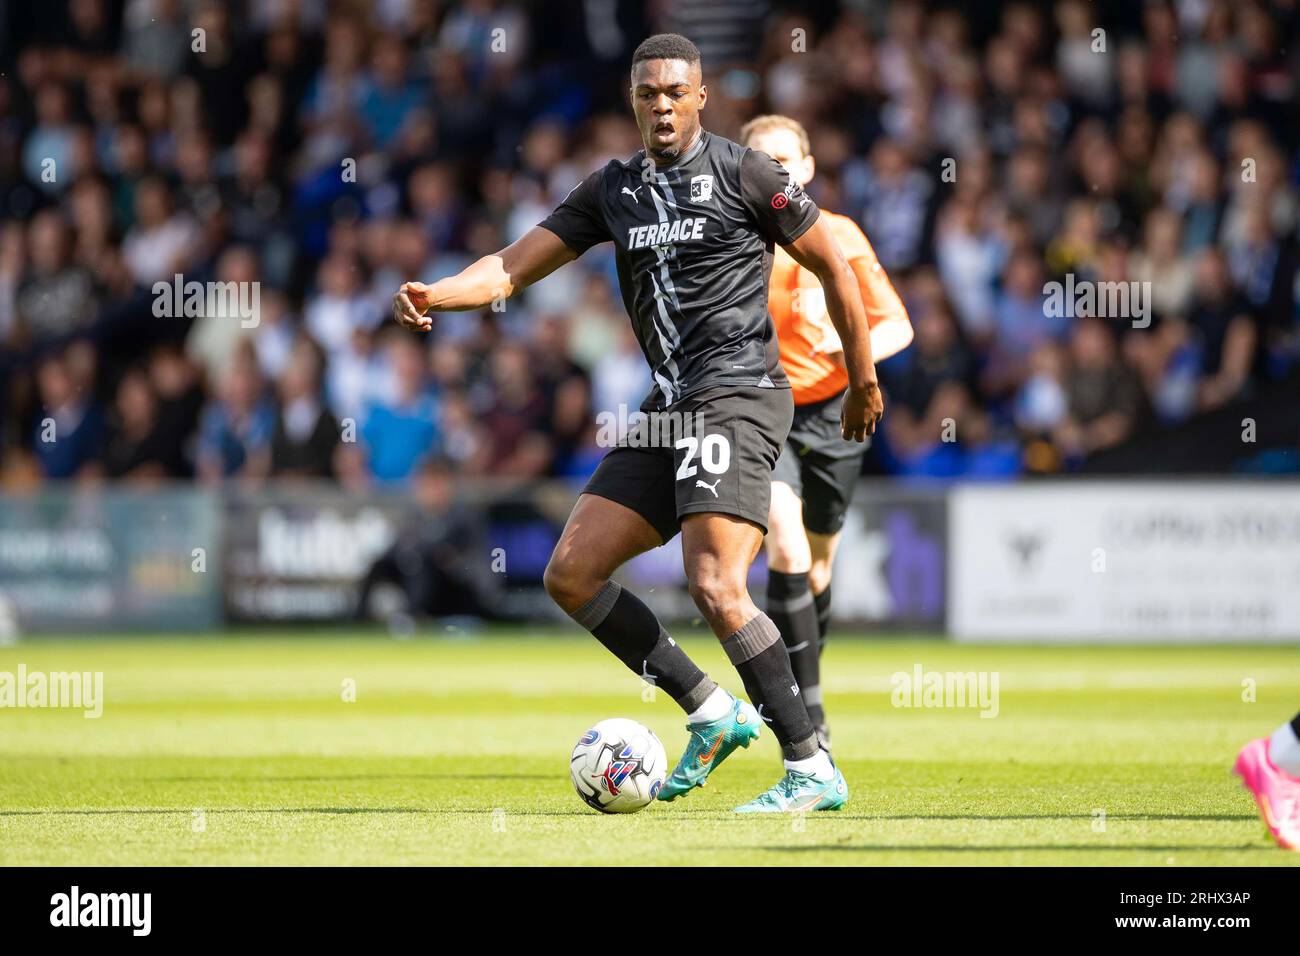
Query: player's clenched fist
{"x": 860, "y": 412}
{"x": 410, "y": 303}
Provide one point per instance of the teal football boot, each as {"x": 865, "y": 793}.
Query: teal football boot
{"x": 799, "y": 792}
{"x": 710, "y": 744}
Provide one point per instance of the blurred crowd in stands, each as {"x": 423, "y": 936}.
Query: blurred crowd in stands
{"x": 328, "y": 151}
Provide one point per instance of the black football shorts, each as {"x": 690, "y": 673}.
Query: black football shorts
{"x": 820, "y": 465}
{"x": 709, "y": 452}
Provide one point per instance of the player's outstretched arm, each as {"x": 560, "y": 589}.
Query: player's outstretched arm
{"x": 818, "y": 252}
{"x": 532, "y": 257}
{"x": 891, "y": 329}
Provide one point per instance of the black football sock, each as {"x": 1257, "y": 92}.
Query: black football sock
{"x": 1295, "y": 725}
{"x": 790, "y": 606}
{"x": 764, "y": 665}
{"x": 634, "y": 635}
{"x": 822, "y": 601}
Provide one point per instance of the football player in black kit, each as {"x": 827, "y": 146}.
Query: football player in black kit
{"x": 694, "y": 219}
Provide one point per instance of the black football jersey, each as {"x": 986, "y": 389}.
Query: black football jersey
{"x": 694, "y": 243}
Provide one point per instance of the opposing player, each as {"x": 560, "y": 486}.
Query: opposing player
{"x": 815, "y": 475}
{"x": 694, "y": 219}
{"x": 1270, "y": 769}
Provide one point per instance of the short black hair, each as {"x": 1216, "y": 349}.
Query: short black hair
{"x": 666, "y": 46}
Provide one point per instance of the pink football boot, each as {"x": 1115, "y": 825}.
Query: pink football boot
{"x": 1277, "y": 793}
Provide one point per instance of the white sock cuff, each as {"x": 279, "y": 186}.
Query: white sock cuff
{"x": 715, "y": 705}
{"x": 819, "y": 765}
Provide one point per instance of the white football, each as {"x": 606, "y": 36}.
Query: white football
{"x": 618, "y": 766}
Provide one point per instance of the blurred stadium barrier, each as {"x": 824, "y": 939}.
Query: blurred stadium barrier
{"x": 123, "y": 560}
{"x": 1118, "y": 560}
{"x": 1125, "y": 561}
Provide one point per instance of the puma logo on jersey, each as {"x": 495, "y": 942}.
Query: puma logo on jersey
{"x": 632, "y": 193}
{"x": 659, "y": 233}
{"x": 712, "y": 487}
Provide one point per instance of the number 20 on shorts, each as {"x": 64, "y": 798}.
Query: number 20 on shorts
{"x": 714, "y": 451}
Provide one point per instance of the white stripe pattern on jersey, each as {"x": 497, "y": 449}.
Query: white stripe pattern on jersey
{"x": 665, "y": 294}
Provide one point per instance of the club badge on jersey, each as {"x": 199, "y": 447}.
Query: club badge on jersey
{"x": 701, "y": 188}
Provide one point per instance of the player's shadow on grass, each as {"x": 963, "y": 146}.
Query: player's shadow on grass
{"x": 1012, "y": 848}
{"x": 1196, "y": 817}
{"x": 97, "y": 811}
{"x": 319, "y": 778}
{"x": 713, "y": 814}
{"x": 431, "y": 811}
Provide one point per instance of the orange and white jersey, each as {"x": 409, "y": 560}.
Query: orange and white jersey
{"x": 809, "y": 344}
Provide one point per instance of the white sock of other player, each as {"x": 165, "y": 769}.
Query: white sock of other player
{"x": 716, "y": 705}
{"x": 1284, "y": 748}
{"x": 819, "y": 765}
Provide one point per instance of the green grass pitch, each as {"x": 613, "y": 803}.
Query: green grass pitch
{"x": 243, "y": 750}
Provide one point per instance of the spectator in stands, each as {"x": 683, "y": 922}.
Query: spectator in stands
{"x": 434, "y": 205}
{"x": 90, "y": 207}
{"x": 1162, "y": 264}
{"x": 138, "y": 448}
{"x": 162, "y": 242}
{"x": 969, "y": 256}
{"x": 464, "y": 442}
{"x": 156, "y": 44}
{"x": 276, "y": 334}
{"x": 984, "y": 151}
{"x": 58, "y": 296}
{"x": 397, "y": 434}
{"x": 339, "y": 308}
{"x": 955, "y": 438}
{"x": 178, "y": 385}
{"x": 1103, "y": 394}
{"x": 13, "y": 256}
{"x": 1223, "y": 331}
{"x": 48, "y": 153}
{"x": 519, "y": 446}
{"x": 1196, "y": 198}
{"x": 937, "y": 355}
{"x": 1030, "y": 192}
{"x": 1022, "y": 322}
{"x": 223, "y": 329}
{"x": 897, "y": 203}
{"x": 306, "y": 434}
{"x": 565, "y": 386}
{"x": 1074, "y": 249}
{"x": 236, "y": 430}
{"x": 388, "y": 95}
{"x": 1043, "y": 401}
{"x": 1254, "y": 257}
{"x": 70, "y": 433}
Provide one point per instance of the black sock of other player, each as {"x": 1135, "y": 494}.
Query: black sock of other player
{"x": 790, "y": 606}
{"x": 764, "y": 665}
{"x": 822, "y": 600}
{"x": 634, "y": 635}
{"x": 1295, "y": 725}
